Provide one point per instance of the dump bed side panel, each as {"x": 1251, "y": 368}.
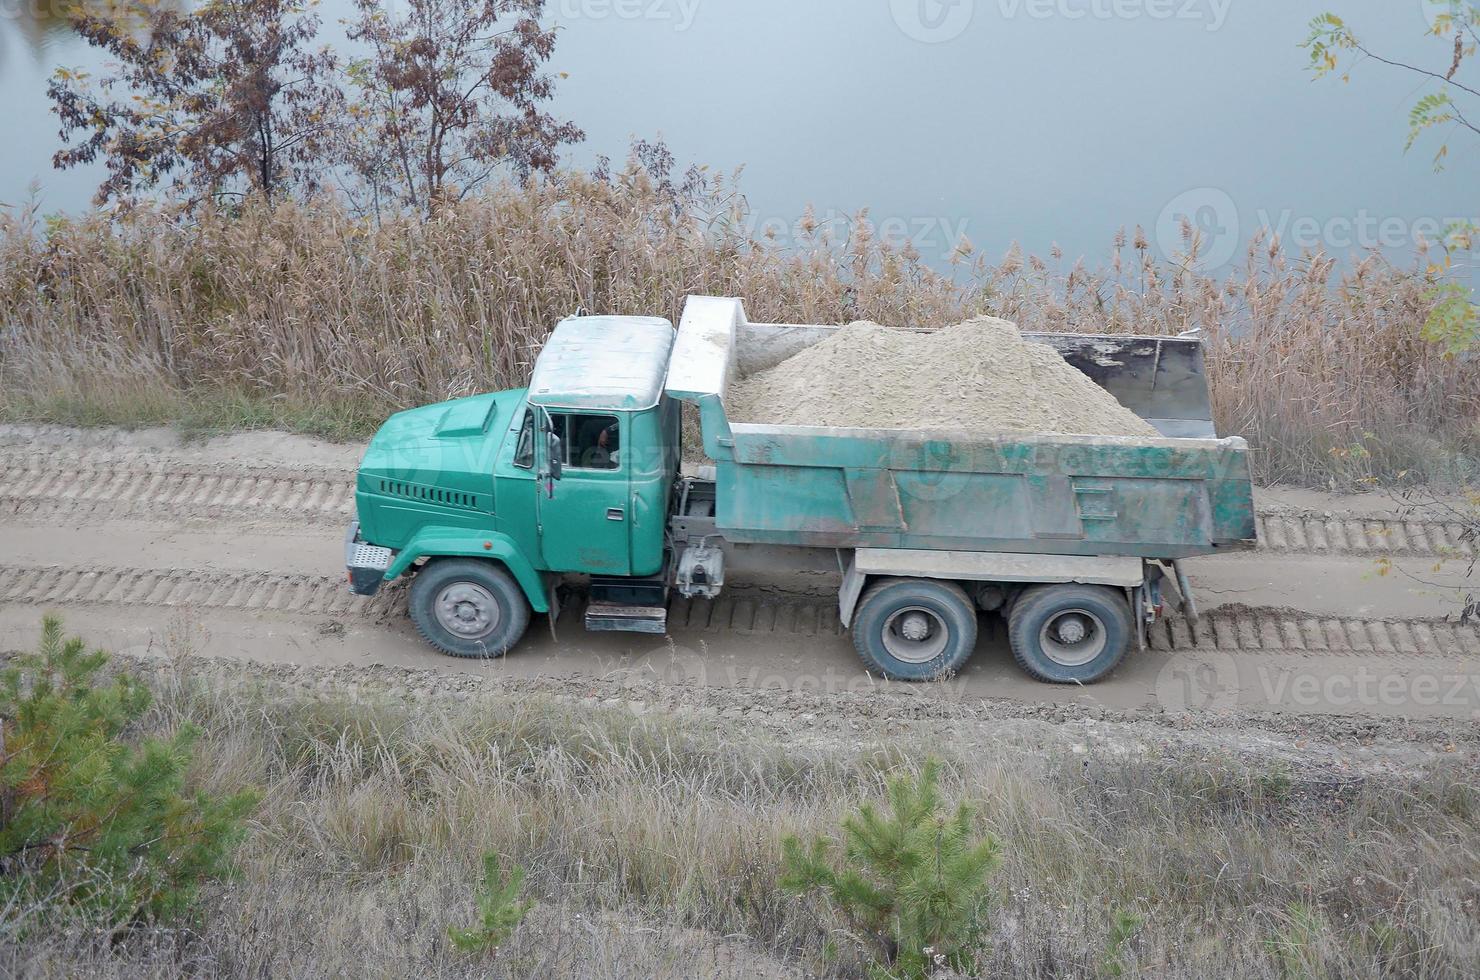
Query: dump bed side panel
{"x": 1074, "y": 496}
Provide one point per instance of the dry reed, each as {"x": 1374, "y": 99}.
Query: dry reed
{"x": 308, "y": 317}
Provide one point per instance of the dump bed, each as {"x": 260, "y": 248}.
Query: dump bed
{"x": 1186, "y": 493}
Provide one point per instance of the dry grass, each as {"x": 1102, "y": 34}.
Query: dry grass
{"x": 653, "y": 847}
{"x": 308, "y": 318}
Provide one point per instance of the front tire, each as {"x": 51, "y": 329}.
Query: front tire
{"x": 915, "y": 629}
{"x": 1070, "y": 634}
{"x": 468, "y": 608}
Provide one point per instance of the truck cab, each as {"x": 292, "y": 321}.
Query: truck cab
{"x": 601, "y": 440}
{"x": 492, "y": 501}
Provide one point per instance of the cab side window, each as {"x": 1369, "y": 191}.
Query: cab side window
{"x": 524, "y": 447}
{"x": 592, "y": 442}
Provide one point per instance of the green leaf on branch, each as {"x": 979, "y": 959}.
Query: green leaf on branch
{"x": 1453, "y": 322}
{"x": 1432, "y": 110}
{"x": 1329, "y": 36}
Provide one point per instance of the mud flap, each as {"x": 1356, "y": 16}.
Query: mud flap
{"x": 1184, "y": 588}
{"x": 553, "y": 598}
{"x": 853, "y": 581}
{"x": 1138, "y": 610}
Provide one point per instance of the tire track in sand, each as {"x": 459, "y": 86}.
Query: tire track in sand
{"x": 1233, "y": 629}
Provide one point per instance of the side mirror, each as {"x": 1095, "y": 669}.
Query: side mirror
{"x": 554, "y": 456}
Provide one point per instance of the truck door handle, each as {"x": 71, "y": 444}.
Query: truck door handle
{"x": 615, "y": 514}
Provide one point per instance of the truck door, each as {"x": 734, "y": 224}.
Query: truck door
{"x": 583, "y": 511}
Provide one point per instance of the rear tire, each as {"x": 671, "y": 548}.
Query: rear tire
{"x": 468, "y": 608}
{"x": 1070, "y": 634}
{"x": 915, "y": 629}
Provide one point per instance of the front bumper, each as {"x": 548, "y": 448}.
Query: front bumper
{"x": 365, "y": 563}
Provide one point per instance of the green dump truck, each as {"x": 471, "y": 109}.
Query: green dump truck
{"x": 491, "y": 504}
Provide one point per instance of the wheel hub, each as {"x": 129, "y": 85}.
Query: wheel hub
{"x": 1072, "y": 629}
{"x": 915, "y": 635}
{"x": 467, "y": 610}
{"x": 1072, "y": 637}
{"x": 915, "y": 626}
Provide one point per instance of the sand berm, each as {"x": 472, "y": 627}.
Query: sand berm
{"x": 979, "y": 375}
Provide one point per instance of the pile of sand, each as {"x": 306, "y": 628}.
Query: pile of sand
{"x": 979, "y": 375}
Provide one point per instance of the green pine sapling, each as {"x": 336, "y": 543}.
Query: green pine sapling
{"x": 916, "y": 881}
{"x": 95, "y": 822}
{"x": 499, "y": 909}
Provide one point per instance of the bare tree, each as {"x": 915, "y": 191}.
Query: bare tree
{"x": 227, "y": 98}
{"x": 449, "y": 94}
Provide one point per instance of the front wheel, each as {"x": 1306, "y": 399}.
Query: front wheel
{"x": 915, "y": 629}
{"x": 468, "y": 608}
{"x": 1070, "y": 634}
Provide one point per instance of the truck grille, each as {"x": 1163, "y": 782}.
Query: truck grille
{"x": 431, "y": 495}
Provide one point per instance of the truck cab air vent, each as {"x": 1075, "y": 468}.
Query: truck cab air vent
{"x": 431, "y": 495}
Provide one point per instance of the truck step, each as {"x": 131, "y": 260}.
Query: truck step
{"x": 606, "y": 617}
{"x": 651, "y": 590}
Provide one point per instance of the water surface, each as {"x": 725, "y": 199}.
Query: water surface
{"x": 1042, "y": 121}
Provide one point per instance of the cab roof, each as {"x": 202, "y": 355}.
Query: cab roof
{"x": 606, "y": 363}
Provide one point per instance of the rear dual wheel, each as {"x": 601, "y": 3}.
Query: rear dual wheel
{"x": 915, "y": 629}
{"x": 924, "y": 629}
{"x": 1070, "y": 634}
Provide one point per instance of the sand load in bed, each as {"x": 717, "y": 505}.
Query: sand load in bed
{"x": 979, "y": 375}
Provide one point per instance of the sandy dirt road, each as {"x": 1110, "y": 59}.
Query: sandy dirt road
{"x": 232, "y": 548}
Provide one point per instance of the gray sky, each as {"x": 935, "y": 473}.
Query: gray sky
{"x": 1033, "y": 120}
